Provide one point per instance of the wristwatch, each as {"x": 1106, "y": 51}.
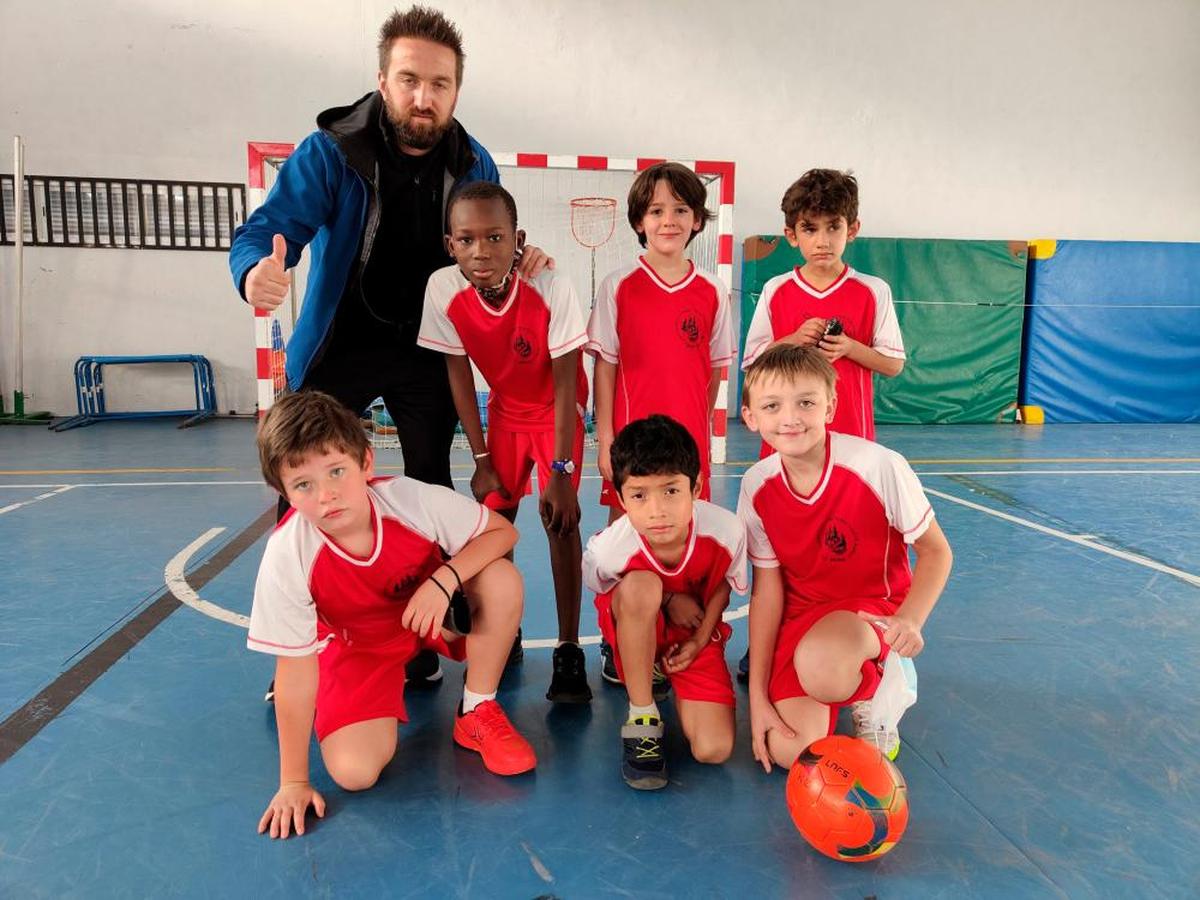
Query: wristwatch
{"x": 563, "y": 466}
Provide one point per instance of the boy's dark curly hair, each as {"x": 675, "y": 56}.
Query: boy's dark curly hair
{"x": 825, "y": 192}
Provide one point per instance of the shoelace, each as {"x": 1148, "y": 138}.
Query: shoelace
{"x": 648, "y": 748}
{"x": 490, "y": 718}
{"x": 568, "y": 663}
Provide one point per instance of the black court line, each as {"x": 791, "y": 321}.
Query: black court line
{"x": 20, "y": 728}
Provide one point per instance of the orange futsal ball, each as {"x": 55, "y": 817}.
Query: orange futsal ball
{"x": 847, "y": 799}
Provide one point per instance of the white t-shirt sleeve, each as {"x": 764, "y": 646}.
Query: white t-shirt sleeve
{"x": 721, "y": 345}
{"x": 437, "y": 331}
{"x": 758, "y": 545}
{"x": 904, "y": 499}
{"x": 449, "y": 519}
{"x": 759, "y": 336}
{"x": 602, "y": 325}
{"x": 603, "y": 561}
{"x": 887, "y": 339}
{"x": 567, "y": 329}
{"x": 736, "y": 574}
{"x": 283, "y": 620}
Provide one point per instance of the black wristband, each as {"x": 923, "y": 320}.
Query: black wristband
{"x": 453, "y": 572}
{"x": 440, "y": 587}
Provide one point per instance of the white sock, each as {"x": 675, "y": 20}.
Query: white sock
{"x": 472, "y": 699}
{"x": 637, "y": 712}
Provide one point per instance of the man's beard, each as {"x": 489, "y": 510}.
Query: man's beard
{"x": 419, "y": 137}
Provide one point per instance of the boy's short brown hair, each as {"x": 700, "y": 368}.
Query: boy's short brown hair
{"x": 425, "y": 24}
{"x": 789, "y": 362}
{"x": 302, "y": 423}
{"x": 826, "y": 192}
{"x": 684, "y": 184}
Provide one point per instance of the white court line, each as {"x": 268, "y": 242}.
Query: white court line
{"x": 58, "y": 489}
{"x": 119, "y": 484}
{"x": 1080, "y": 539}
{"x": 103, "y": 484}
{"x": 1062, "y": 472}
{"x": 177, "y": 583}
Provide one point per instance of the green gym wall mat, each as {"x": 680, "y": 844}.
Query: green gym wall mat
{"x": 960, "y": 305}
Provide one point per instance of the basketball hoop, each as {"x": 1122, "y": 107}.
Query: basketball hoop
{"x": 593, "y": 221}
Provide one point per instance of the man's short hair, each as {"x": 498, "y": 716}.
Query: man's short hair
{"x": 684, "y": 183}
{"x": 789, "y": 362}
{"x": 425, "y": 24}
{"x": 825, "y": 192}
{"x": 482, "y": 190}
{"x": 303, "y": 423}
{"x": 655, "y": 445}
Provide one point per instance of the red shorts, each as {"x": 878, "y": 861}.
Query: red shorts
{"x": 784, "y": 684}
{"x": 514, "y": 454}
{"x": 706, "y": 679}
{"x": 608, "y": 494}
{"x": 360, "y": 682}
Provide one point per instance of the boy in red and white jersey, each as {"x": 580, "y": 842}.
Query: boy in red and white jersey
{"x": 820, "y": 218}
{"x": 660, "y": 328}
{"x": 524, "y": 336}
{"x": 663, "y": 574}
{"x": 360, "y": 575}
{"x": 829, "y": 519}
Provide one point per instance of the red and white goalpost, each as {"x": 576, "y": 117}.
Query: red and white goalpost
{"x": 573, "y": 207}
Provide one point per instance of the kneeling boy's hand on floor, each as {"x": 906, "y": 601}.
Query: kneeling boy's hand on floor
{"x": 288, "y": 807}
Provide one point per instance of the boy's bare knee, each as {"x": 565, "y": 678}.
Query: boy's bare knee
{"x": 783, "y": 752}
{"x": 353, "y": 775}
{"x": 824, "y": 678}
{"x": 639, "y": 592}
{"x": 561, "y": 537}
{"x": 499, "y": 586}
{"x": 712, "y": 749}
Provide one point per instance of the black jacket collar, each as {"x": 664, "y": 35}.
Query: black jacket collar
{"x": 353, "y": 129}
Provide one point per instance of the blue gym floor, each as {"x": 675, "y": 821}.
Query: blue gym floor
{"x": 1053, "y": 752}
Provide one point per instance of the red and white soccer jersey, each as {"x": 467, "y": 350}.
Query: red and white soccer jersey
{"x": 716, "y": 552}
{"x": 311, "y": 595}
{"x": 863, "y": 303}
{"x": 665, "y": 340}
{"x": 309, "y": 589}
{"x": 843, "y": 546}
{"x": 512, "y": 346}
{"x": 845, "y": 541}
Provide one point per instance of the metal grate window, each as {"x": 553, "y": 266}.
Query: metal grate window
{"x": 61, "y": 211}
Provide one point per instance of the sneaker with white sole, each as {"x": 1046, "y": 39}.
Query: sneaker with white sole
{"x": 643, "y": 765}
{"x": 608, "y": 666}
{"x": 886, "y": 740}
{"x": 423, "y": 670}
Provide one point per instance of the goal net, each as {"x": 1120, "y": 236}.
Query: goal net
{"x": 572, "y": 207}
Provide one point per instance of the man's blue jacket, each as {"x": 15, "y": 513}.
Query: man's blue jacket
{"x": 327, "y": 195}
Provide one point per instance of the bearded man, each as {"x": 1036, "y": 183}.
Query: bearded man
{"x": 368, "y": 190}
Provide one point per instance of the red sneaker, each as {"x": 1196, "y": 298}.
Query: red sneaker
{"x": 487, "y": 731}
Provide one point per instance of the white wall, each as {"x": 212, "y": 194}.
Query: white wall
{"x": 1015, "y": 120}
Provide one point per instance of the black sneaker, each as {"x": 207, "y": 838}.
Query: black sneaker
{"x": 744, "y": 668}
{"x": 424, "y": 669}
{"x": 569, "y": 682}
{"x": 269, "y": 696}
{"x": 608, "y": 668}
{"x": 517, "y": 653}
{"x": 643, "y": 765}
